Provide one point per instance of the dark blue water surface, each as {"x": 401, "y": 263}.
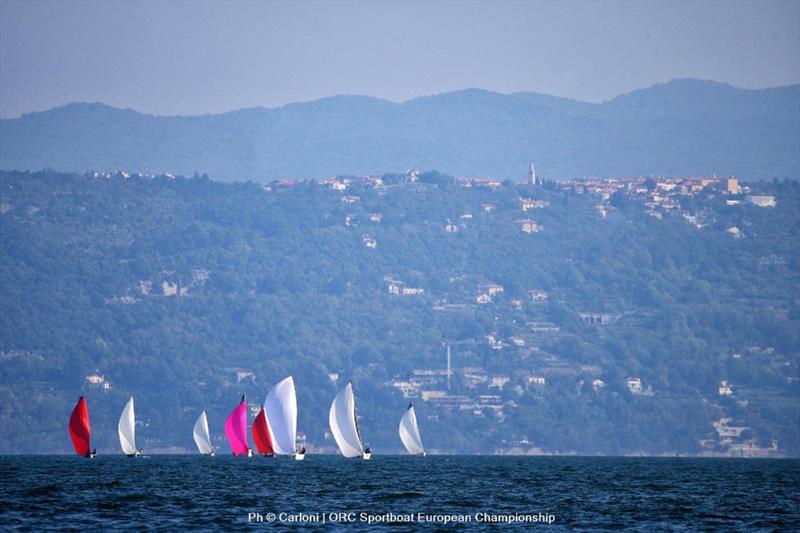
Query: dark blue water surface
{"x": 218, "y": 493}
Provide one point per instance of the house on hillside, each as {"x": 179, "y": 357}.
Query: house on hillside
{"x": 537, "y": 295}
{"x": 634, "y": 385}
{"x": 762, "y": 201}
{"x": 95, "y": 379}
{"x": 369, "y": 242}
{"x": 529, "y": 226}
{"x": 494, "y": 289}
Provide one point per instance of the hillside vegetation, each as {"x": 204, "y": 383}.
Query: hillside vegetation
{"x": 188, "y": 292}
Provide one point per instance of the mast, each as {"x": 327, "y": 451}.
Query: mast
{"x": 449, "y": 369}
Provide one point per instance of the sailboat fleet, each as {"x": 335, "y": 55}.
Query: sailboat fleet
{"x": 274, "y": 429}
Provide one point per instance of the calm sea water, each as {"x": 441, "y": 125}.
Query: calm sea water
{"x": 333, "y": 493}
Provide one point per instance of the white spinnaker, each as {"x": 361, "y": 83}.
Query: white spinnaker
{"x": 409, "y": 432}
{"x": 127, "y": 429}
{"x": 281, "y": 409}
{"x": 201, "y": 435}
{"x": 342, "y": 419}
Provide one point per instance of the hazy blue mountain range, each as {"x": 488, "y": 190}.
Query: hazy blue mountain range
{"x": 685, "y": 127}
{"x": 187, "y": 293}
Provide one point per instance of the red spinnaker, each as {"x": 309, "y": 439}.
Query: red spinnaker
{"x": 261, "y": 434}
{"x": 79, "y": 428}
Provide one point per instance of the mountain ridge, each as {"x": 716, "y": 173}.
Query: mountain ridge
{"x": 683, "y": 127}
{"x": 471, "y": 90}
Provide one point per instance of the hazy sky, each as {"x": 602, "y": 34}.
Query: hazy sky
{"x": 194, "y": 58}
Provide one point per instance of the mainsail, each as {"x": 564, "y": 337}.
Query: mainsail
{"x": 201, "y": 436}
{"x": 127, "y": 429}
{"x": 281, "y": 406}
{"x": 261, "y": 434}
{"x": 79, "y": 429}
{"x": 409, "y": 432}
{"x": 236, "y": 429}
{"x": 342, "y": 419}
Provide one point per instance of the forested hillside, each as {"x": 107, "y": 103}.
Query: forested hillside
{"x": 188, "y": 292}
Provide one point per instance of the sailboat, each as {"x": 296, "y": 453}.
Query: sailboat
{"x": 236, "y": 430}
{"x": 201, "y": 436}
{"x": 80, "y": 431}
{"x": 262, "y": 436}
{"x": 344, "y": 424}
{"x": 409, "y": 432}
{"x": 127, "y": 431}
{"x": 281, "y": 409}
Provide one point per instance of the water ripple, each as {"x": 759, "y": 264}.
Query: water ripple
{"x": 585, "y": 494}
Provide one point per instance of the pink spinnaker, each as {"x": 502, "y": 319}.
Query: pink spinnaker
{"x": 236, "y": 429}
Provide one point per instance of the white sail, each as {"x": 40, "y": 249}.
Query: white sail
{"x": 201, "y": 435}
{"x": 409, "y": 432}
{"x": 281, "y": 409}
{"x": 342, "y": 419}
{"x": 127, "y": 429}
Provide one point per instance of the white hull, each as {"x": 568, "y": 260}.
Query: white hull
{"x": 299, "y": 456}
{"x": 367, "y": 456}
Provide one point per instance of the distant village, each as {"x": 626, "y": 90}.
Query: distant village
{"x": 659, "y": 195}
